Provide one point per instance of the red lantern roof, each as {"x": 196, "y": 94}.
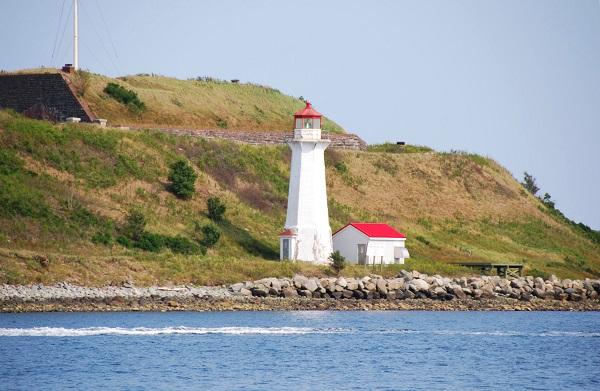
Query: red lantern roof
{"x": 375, "y": 230}
{"x": 308, "y": 112}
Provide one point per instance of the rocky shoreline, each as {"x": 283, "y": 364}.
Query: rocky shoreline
{"x": 408, "y": 291}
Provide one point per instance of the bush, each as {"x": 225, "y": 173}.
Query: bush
{"x": 135, "y": 224}
{"x": 150, "y": 242}
{"x": 216, "y": 208}
{"x": 341, "y": 167}
{"x": 101, "y": 237}
{"x": 210, "y": 235}
{"x": 181, "y": 245}
{"x": 125, "y": 96}
{"x": 125, "y": 241}
{"x": 183, "y": 179}
{"x": 338, "y": 262}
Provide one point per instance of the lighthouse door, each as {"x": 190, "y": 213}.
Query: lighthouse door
{"x": 362, "y": 254}
{"x": 285, "y": 247}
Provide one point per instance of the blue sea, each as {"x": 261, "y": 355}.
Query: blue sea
{"x": 318, "y": 350}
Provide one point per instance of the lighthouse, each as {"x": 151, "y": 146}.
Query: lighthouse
{"x": 307, "y": 234}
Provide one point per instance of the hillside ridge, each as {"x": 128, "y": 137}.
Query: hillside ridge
{"x": 65, "y": 192}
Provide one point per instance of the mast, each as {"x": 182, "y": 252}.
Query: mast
{"x": 75, "y": 36}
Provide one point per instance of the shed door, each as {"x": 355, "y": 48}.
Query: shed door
{"x": 362, "y": 254}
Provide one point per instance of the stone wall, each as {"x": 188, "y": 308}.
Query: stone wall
{"x": 47, "y": 96}
{"x": 414, "y": 285}
{"x": 338, "y": 141}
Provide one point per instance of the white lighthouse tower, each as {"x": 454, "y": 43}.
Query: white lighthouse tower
{"x": 307, "y": 235}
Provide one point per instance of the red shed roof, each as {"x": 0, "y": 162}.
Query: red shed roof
{"x": 375, "y": 230}
{"x": 308, "y": 112}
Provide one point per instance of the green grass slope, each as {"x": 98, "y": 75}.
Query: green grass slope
{"x": 62, "y": 187}
{"x": 204, "y": 103}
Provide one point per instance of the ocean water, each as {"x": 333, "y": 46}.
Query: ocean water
{"x": 317, "y": 350}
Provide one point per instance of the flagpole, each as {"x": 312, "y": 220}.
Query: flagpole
{"x": 75, "y": 36}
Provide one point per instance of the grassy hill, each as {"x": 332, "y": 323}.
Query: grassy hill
{"x": 205, "y": 103}
{"x": 67, "y": 189}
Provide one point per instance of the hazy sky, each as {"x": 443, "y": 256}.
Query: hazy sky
{"x": 516, "y": 80}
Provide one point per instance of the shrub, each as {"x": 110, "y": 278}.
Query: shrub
{"x": 10, "y": 163}
{"x": 101, "y": 237}
{"x": 124, "y": 241}
{"x": 127, "y": 97}
{"x": 216, "y": 208}
{"x": 341, "y": 167}
{"x": 151, "y": 242}
{"x": 181, "y": 245}
{"x": 338, "y": 262}
{"x": 547, "y": 200}
{"x": 183, "y": 179}
{"x": 210, "y": 235}
{"x": 135, "y": 224}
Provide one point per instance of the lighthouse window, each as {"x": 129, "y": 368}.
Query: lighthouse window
{"x": 317, "y": 123}
{"x": 298, "y": 123}
{"x": 308, "y": 123}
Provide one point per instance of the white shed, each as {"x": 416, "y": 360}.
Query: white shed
{"x": 370, "y": 243}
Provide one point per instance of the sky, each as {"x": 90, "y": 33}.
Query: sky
{"x": 515, "y": 80}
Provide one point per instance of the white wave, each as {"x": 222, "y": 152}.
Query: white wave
{"x": 91, "y": 331}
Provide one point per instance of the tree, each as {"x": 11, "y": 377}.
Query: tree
{"x": 210, "y": 235}
{"x": 183, "y": 179}
{"x": 529, "y": 183}
{"x": 548, "y": 201}
{"x": 135, "y": 224}
{"x": 338, "y": 261}
{"x": 216, "y": 208}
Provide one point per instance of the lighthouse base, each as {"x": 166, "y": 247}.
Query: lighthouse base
{"x": 307, "y": 245}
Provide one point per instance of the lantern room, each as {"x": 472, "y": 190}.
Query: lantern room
{"x": 307, "y": 118}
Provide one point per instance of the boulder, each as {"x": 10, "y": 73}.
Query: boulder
{"x": 289, "y": 292}
{"x": 245, "y": 292}
{"x": 458, "y": 292}
{"x": 260, "y": 291}
{"x": 537, "y": 292}
{"x": 275, "y": 284}
{"x": 526, "y": 296}
{"x": 342, "y": 282}
{"x": 305, "y": 293}
{"x": 273, "y": 292}
{"x": 299, "y": 280}
{"x": 359, "y": 294}
{"x": 311, "y": 285}
{"x": 381, "y": 285}
{"x": 395, "y": 284}
{"x": 347, "y": 294}
{"x": 352, "y": 284}
{"x": 538, "y": 283}
{"x": 417, "y": 285}
{"x": 438, "y": 291}
{"x": 237, "y": 287}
